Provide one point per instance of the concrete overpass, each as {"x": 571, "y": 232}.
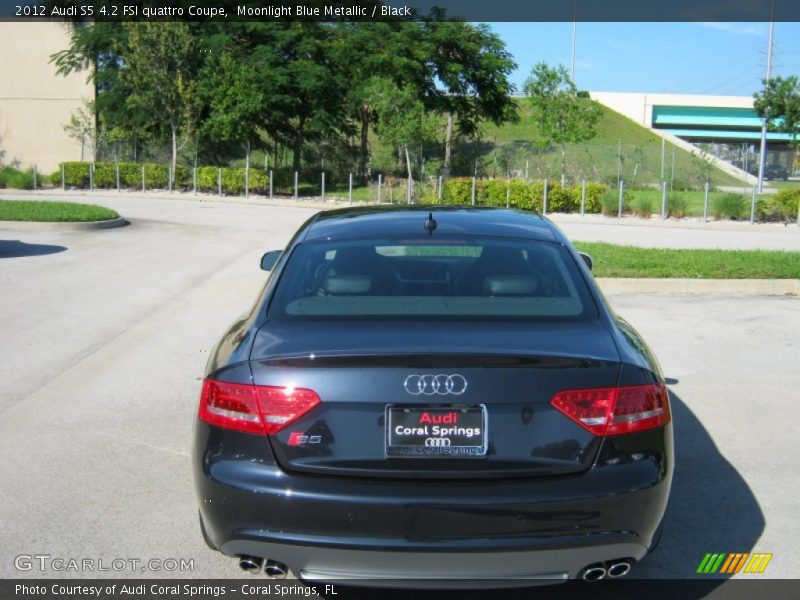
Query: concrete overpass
{"x": 688, "y": 120}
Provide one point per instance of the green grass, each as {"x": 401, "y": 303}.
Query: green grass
{"x": 24, "y": 210}
{"x": 596, "y": 159}
{"x": 628, "y": 261}
{"x": 791, "y": 184}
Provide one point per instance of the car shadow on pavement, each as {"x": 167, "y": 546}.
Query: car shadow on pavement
{"x": 711, "y": 510}
{"x": 18, "y": 248}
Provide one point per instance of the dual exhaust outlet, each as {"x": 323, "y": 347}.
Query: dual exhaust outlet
{"x": 613, "y": 569}
{"x": 271, "y": 568}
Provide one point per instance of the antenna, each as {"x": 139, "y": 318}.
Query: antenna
{"x": 430, "y": 224}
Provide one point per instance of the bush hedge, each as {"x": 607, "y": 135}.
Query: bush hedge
{"x": 14, "y": 178}
{"x": 515, "y": 193}
{"x": 518, "y": 193}
{"x": 156, "y": 176}
{"x": 784, "y": 204}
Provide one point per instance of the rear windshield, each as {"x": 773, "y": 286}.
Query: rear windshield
{"x": 466, "y": 277}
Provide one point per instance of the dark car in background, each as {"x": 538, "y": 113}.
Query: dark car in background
{"x": 773, "y": 172}
{"x": 439, "y": 395}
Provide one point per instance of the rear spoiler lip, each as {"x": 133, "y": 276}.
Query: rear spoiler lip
{"x": 428, "y": 358}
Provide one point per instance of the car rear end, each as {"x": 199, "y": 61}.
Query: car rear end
{"x": 416, "y": 415}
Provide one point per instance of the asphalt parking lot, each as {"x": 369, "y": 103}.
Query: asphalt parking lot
{"x": 104, "y": 340}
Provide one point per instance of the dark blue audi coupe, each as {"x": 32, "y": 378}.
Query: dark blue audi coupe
{"x": 426, "y": 397}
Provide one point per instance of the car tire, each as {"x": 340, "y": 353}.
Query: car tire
{"x": 656, "y": 539}
{"x": 206, "y": 539}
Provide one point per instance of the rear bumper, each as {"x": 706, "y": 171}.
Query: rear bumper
{"x": 331, "y": 528}
{"x": 393, "y": 568}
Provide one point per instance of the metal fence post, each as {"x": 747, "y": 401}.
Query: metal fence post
{"x": 798, "y": 214}
{"x": 350, "y": 188}
{"x": 473, "y": 190}
{"x": 508, "y": 193}
{"x": 583, "y": 197}
{"x": 34, "y": 177}
{"x": 753, "y": 206}
{"x": 380, "y": 184}
{"x": 194, "y": 180}
{"x": 247, "y": 182}
{"x": 441, "y": 183}
{"x": 270, "y": 184}
{"x": 705, "y": 202}
{"x": 544, "y": 199}
{"x": 323, "y": 186}
{"x": 169, "y": 179}
{"x": 296, "y": 183}
{"x": 409, "y": 190}
{"x": 116, "y": 175}
{"x": 663, "y": 200}
{"x": 143, "y": 185}
{"x": 63, "y": 179}
{"x": 91, "y": 177}
{"x": 621, "y": 194}
{"x": 219, "y": 181}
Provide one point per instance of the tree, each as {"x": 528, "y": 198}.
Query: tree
{"x": 468, "y": 78}
{"x": 229, "y": 89}
{"x": 561, "y": 116}
{"x": 82, "y": 126}
{"x": 158, "y": 73}
{"x": 779, "y": 103}
{"x": 402, "y": 120}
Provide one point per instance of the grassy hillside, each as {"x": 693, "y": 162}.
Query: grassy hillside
{"x": 512, "y": 145}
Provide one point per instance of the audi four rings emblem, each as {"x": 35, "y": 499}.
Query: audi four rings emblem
{"x": 435, "y": 385}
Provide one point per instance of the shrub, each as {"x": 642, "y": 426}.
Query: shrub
{"x": 609, "y": 202}
{"x": 76, "y": 174}
{"x": 156, "y": 176}
{"x": 13, "y": 178}
{"x": 731, "y": 206}
{"x": 105, "y": 175}
{"x": 130, "y": 176}
{"x": 564, "y": 200}
{"x": 207, "y": 179}
{"x": 784, "y": 204}
{"x": 594, "y": 192}
{"x": 677, "y": 205}
{"x": 643, "y": 206}
{"x": 258, "y": 181}
{"x": 457, "y": 190}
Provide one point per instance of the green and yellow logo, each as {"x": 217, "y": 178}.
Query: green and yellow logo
{"x": 734, "y": 562}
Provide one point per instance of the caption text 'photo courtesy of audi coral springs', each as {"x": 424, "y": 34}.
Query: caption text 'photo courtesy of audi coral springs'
{"x": 437, "y": 395}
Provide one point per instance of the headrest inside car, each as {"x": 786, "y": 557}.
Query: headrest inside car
{"x": 509, "y": 285}
{"x": 347, "y": 284}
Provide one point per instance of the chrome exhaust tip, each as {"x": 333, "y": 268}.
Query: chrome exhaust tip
{"x": 275, "y": 570}
{"x": 251, "y": 564}
{"x": 619, "y": 568}
{"x": 594, "y": 573}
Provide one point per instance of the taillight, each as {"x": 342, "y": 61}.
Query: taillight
{"x": 616, "y": 411}
{"x": 253, "y": 408}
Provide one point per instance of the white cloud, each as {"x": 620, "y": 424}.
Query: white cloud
{"x": 736, "y": 28}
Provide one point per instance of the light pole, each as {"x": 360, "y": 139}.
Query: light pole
{"x": 574, "y": 34}
{"x": 762, "y": 159}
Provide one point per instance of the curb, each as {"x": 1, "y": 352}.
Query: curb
{"x": 747, "y": 287}
{"x": 64, "y": 225}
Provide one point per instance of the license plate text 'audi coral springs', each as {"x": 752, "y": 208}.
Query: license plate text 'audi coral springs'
{"x": 427, "y": 396}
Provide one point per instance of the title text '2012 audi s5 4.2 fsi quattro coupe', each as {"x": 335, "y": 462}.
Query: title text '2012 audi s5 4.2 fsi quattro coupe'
{"x": 432, "y": 395}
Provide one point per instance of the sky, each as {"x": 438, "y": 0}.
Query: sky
{"x": 687, "y": 58}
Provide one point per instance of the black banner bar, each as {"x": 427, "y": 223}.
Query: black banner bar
{"x": 377, "y": 10}
{"x": 255, "y": 587}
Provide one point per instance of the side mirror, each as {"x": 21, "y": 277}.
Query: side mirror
{"x": 269, "y": 259}
{"x": 587, "y": 259}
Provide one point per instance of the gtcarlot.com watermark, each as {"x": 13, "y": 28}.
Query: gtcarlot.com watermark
{"x": 47, "y": 563}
